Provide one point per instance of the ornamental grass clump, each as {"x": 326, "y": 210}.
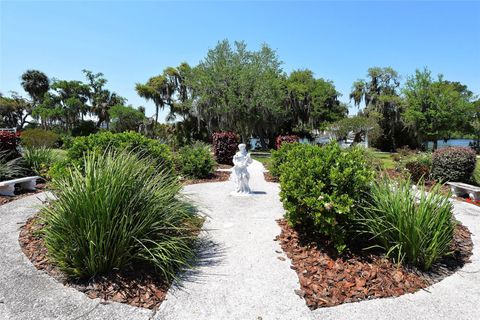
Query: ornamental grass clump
{"x": 119, "y": 210}
{"x": 39, "y": 159}
{"x": 321, "y": 188}
{"x": 410, "y": 225}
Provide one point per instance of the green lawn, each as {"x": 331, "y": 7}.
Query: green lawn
{"x": 386, "y": 159}
{"x": 263, "y": 158}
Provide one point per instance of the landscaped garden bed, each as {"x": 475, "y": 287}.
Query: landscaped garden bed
{"x": 328, "y": 278}
{"x": 138, "y": 285}
{"x": 216, "y": 176}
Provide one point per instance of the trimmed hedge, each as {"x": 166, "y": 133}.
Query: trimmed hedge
{"x": 453, "y": 164}
{"x": 225, "y": 145}
{"x": 320, "y": 187}
{"x": 280, "y": 140}
{"x": 130, "y": 141}
{"x": 196, "y": 161}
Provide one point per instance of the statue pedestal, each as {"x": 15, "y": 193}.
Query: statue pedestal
{"x": 241, "y": 194}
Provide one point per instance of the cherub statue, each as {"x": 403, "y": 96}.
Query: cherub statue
{"x": 240, "y": 175}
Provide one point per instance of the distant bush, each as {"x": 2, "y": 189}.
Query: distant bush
{"x": 35, "y": 138}
{"x": 280, "y": 140}
{"x": 196, "y": 160}
{"x": 410, "y": 226}
{"x": 225, "y": 145}
{"x": 115, "y": 212}
{"x": 321, "y": 187}
{"x": 417, "y": 166}
{"x": 84, "y": 128}
{"x": 132, "y": 141}
{"x": 279, "y": 157}
{"x": 453, "y": 164}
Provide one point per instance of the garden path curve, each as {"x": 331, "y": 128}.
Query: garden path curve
{"x": 239, "y": 274}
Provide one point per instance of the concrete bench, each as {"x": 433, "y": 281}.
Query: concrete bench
{"x": 460, "y": 189}
{"x": 7, "y": 188}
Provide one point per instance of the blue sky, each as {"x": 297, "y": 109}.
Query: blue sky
{"x": 130, "y": 41}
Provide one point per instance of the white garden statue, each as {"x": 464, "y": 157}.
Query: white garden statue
{"x": 240, "y": 175}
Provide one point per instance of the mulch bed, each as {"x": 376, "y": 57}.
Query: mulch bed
{"x": 217, "y": 176}
{"x": 327, "y": 279}
{"x": 20, "y": 193}
{"x": 269, "y": 177}
{"x": 138, "y": 286}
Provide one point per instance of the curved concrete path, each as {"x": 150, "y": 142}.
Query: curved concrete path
{"x": 239, "y": 275}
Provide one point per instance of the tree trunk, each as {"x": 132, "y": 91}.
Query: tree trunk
{"x": 435, "y": 144}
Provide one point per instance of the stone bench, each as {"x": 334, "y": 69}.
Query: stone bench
{"x": 459, "y": 189}
{"x": 7, "y": 188}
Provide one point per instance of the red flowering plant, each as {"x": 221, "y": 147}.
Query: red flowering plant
{"x": 472, "y": 201}
{"x": 9, "y": 140}
{"x": 285, "y": 139}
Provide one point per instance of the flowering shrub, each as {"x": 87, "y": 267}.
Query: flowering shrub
{"x": 225, "y": 144}
{"x": 285, "y": 139}
{"x": 453, "y": 164}
{"x": 320, "y": 187}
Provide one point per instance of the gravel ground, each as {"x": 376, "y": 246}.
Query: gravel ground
{"x": 239, "y": 274}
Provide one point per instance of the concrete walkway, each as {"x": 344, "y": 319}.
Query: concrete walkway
{"x": 239, "y": 275}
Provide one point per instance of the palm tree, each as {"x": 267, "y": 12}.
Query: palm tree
{"x": 36, "y": 84}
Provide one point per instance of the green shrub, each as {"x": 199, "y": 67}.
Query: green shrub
{"x": 453, "y": 164}
{"x": 411, "y": 226}
{"x": 321, "y": 186}
{"x": 417, "y": 166}
{"x": 104, "y": 141}
{"x": 35, "y": 138}
{"x": 39, "y": 160}
{"x": 196, "y": 161}
{"x": 117, "y": 211}
{"x": 476, "y": 174}
{"x": 279, "y": 157}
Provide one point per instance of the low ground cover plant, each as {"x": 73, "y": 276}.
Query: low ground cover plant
{"x": 410, "y": 225}
{"x": 10, "y": 168}
{"x": 196, "y": 161}
{"x": 225, "y": 145}
{"x": 121, "y": 209}
{"x": 453, "y": 164}
{"x": 321, "y": 187}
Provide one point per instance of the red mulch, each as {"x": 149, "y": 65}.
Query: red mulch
{"x": 327, "y": 279}
{"x": 20, "y": 193}
{"x": 217, "y": 176}
{"x": 138, "y": 286}
{"x": 224, "y": 166}
{"x": 269, "y": 177}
